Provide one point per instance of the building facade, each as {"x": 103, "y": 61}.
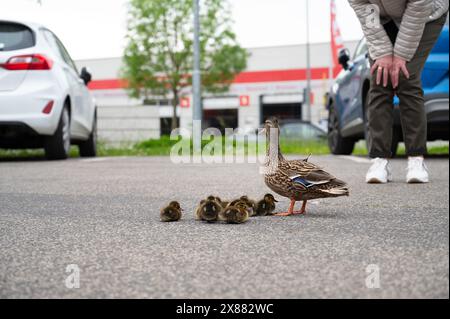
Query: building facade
{"x": 273, "y": 85}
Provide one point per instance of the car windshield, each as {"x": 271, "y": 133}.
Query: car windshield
{"x": 360, "y": 49}
{"x": 302, "y": 131}
{"x": 15, "y": 37}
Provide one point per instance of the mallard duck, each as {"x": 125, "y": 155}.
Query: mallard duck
{"x": 237, "y": 214}
{"x": 266, "y": 206}
{"x": 298, "y": 180}
{"x": 171, "y": 213}
{"x": 208, "y": 209}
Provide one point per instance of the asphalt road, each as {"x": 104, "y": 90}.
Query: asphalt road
{"x": 102, "y": 215}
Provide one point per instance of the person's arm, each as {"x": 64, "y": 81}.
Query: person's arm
{"x": 415, "y": 17}
{"x": 378, "y": 41}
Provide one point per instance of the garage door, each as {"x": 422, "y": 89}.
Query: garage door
{"x": 221, "y": 119}
{"x": 287, "y": 106}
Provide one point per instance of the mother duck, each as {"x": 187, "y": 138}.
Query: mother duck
{"x": 298, "y": 180}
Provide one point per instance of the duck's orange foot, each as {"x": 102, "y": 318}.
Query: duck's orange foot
{"x": 290, "y": 210}
{"x": 302, "y": 210}
{"x": 283, "y": 214}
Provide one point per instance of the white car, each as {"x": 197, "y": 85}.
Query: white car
{"x": 44, "y": 100}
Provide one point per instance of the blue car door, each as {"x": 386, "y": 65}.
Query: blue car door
{"x": 350, "y": 87}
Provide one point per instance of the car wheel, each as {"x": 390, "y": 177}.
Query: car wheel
{"x": 338, "y": 144}
{"x": 57, "y": 146}
{"x": 88, "y": 148}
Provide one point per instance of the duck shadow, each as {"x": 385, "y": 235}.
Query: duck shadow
{"x": 322, "y": 215}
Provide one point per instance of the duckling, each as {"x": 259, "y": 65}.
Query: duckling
{"x": 216, "y": 198}
{"x": 222, "y": 203}
{"x": 266, "y": 206}
{"x": 171, "y": 213}
{"x": 243, "y": 203}
{"x": 198, "y": 210}
{"x": 233, "y": 202}
{"x": 251, "y": 205}
{"x": 208, "y": 210}
{"x": 235, "y": 214}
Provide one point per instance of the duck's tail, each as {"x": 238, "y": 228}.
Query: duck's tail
{"x": 338, "y": 188}
{"x": 337, "y": 191}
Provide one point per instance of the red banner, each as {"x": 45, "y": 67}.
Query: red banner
{"x": 336, "y": 38}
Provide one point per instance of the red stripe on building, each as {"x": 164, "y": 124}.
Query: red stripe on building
{"x": 112, "y": 84}
{"x": 244, "y": 77}
{"x": 281, "y": 75}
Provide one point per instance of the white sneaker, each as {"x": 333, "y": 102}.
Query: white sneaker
{"x": 379, "y": 172}
{"x": 417, "y": 171}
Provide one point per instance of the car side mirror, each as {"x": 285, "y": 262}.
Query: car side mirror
{"x": 85, "y": 75}
{"x": 344, "y": 58}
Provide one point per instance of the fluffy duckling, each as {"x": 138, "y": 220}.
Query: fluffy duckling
{"x": 233, "y": 202}
{"x": 216, "y": 198}
{"x": 266, "y": 206}
{"x": 171, "y": 213}
{"x": 235, "y": 214}
{"x": 208, "y": 210}
{"x": 198, "y": 210}
{"x": 222, "y": 203}
{"x": 239, "y": 202}
{"x": 251, "y": 204}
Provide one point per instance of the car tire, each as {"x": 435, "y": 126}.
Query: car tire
{"x": 338, "y": 144}
{"x": 88, "y": 148}
{"x": 57, "y": 146}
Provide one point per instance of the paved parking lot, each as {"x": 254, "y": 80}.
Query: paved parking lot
{"x": 102, "y": 215}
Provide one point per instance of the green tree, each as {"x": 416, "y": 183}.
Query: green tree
{"x": 159, "y": 53}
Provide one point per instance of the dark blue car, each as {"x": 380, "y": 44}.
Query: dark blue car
{"x": 347, "y": 99}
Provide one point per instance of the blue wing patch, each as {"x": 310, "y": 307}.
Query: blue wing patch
{"x": 302, "y": 181}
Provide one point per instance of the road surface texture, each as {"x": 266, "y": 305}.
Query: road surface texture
{"x": 102, "y": 215}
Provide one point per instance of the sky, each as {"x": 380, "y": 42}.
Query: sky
{"x": 96, "y": 28}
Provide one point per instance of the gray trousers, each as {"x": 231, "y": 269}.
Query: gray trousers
{"x": 411, "y": 96}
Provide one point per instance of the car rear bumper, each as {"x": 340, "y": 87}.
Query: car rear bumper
{"x": 437, "y": 111}
{"x": 26, "y": 107}
{"x": 19, "y": 135}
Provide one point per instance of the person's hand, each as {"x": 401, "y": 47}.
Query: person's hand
{"x": 398, "y": 64}
{"x": 383, "y": 67}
